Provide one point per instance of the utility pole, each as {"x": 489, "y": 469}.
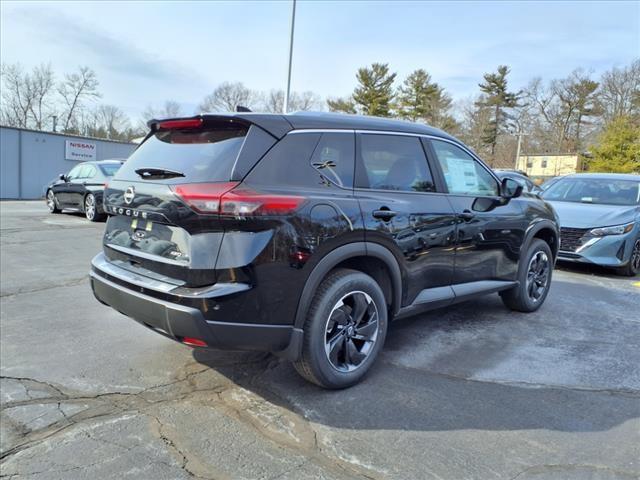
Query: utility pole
{"x": 288, "y": 91}
{"x": 55, "y": 121}
{"x": 519, "y": 135}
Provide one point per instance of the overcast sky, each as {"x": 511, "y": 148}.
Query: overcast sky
{"x": 147, "y": 52}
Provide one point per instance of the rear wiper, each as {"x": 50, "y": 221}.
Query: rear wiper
{"x": 158, "y": 173}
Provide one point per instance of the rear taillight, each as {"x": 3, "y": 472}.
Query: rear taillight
{"x": 180, "y": 124}
{"x": 203, "y": 197}
{"x": 221, "y": 198}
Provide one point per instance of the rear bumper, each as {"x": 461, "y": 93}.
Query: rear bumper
{"x": 179, "y": 321}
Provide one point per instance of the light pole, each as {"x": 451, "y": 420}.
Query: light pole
{"x": 288, "y": 91}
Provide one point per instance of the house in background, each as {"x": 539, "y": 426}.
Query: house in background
{"x": 546, "y": 166}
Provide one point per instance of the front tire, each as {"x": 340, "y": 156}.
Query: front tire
{"x": 344, "y": 330}
{"x": 91, "y": 208}
{"x": 633, "y": 267}
{"x": 52, "y": 202}
{"x": 534, "y": 279}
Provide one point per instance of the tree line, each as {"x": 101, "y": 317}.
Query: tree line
{"x": 598, "y": 118}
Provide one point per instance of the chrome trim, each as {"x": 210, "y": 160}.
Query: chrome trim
{"x": 100, "y": 263}
{"x": 145, "y": 255}
{"x": 320, "y": 130}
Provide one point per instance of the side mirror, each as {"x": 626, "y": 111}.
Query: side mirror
{"x": 485, "y": 204}
{"x": 510, "y": 188}
{"x": 63, "y": 177}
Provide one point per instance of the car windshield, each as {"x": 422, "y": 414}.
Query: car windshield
{"x": 595, "y": 190}
{"x": 110, "y": 169}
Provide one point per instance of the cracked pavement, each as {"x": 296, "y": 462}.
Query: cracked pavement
{"x": 473, "y": 391}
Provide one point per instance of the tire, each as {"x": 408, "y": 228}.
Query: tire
{"x": 534, "y": 279}
{"x": 633, "y": 267}
{"x": 52, "y": 202}
{"x": 336, "y": 352}
{"x": 91, "y": 208}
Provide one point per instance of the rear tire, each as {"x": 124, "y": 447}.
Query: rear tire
{"x": 91, "y": 208}
{"x": 534, "y": 277}
{"x": 52, "y": 203}
{"x": 633, "y": 267}
{"x": 344, "y": 331}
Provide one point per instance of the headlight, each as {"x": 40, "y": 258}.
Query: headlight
{"x": 615, "y": 230}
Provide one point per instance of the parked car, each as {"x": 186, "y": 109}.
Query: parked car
{"x": 81, "y": 188}
{"x": 599, "y": 219}
{"x": 522, "y": 179}
{"x": 292, "y": 234}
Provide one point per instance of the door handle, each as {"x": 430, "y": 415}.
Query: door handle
{"x": 467, "y": 215}
{"x": 384, "y": 214}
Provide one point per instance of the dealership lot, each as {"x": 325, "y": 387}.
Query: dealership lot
{"x": 473, "y": 391}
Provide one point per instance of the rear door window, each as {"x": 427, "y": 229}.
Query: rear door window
{"x": 110, "y": 169}
{"x": 202, "y": 155}
{"x": 334, "y": 158}
{"x": 393, "y": 162}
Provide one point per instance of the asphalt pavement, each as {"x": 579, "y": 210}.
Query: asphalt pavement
{"x": 473, "y": 391}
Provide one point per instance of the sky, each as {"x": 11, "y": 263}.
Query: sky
{"x": 147, "y": 52}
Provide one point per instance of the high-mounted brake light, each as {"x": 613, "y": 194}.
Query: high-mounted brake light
{"x": 221, "y": 198}
{"x": 180, "y": 124}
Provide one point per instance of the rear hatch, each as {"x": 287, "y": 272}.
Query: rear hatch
{"x": 164, "y": 201}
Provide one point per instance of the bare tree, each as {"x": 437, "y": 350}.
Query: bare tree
{"x": 42, "y": 83}
{"x": 273, "y": 101}
{"x": 17, "y": 96}
{"x": 74, "y": 90}
{"x": 620, "y": 91}
{"x": 227, "y": 96}
{"x": 170, "y": 109}
{"x": 105, "y": 121}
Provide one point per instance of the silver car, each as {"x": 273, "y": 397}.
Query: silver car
{"x": 599, "y": 219}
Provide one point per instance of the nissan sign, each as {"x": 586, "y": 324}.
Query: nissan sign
{"x": 81, "y": 151}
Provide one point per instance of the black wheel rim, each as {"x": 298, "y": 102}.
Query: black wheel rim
{"x": 51, "y": 201}
{"x": 90, "y": 207}
{"x": 351, "y": 331}
{"x": 635, "y": 256}
{"x": 538, "y": 276}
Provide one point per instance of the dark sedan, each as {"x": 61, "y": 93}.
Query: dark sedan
{"x": 81, "y": 188}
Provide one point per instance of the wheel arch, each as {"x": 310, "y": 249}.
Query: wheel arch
{"x": 370, "y": 258}
{"x": 545, "y": 230}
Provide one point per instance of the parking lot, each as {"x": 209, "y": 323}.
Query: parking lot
{"x": 472, "y": 391}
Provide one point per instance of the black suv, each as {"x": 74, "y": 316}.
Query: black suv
{"x": 304, "y": 234}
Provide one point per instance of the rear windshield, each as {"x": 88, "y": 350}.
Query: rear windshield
{"x": 110, "y": 169}
{"x": 594, "y": 190}
{"x": 200, "y": 155}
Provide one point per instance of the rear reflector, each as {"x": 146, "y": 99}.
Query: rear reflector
{"x": 221, "y": 198}
{"x": 194, "y": 342}
{"x": 180, "y": 124}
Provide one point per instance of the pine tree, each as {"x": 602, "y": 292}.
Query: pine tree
{"x": 374, "y": 94}
{"x": 497, "y": 96}
{"x": 420, "y": 99}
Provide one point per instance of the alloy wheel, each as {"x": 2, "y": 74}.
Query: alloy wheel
{"x": 538, "y": 276}
{"x": 51, "y": 201}
{"x": 90, "y": 207}
{"x": 351, "y": 331}
{"x": 635, "y": 256}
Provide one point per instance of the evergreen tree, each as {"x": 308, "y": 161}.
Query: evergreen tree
{"x": 619, "y": 147}
{"x": 374, "y": 94}
{"x": 341, "y": 105}
{"x": 420, "y": 99}
{"x": 495, "y": 94}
